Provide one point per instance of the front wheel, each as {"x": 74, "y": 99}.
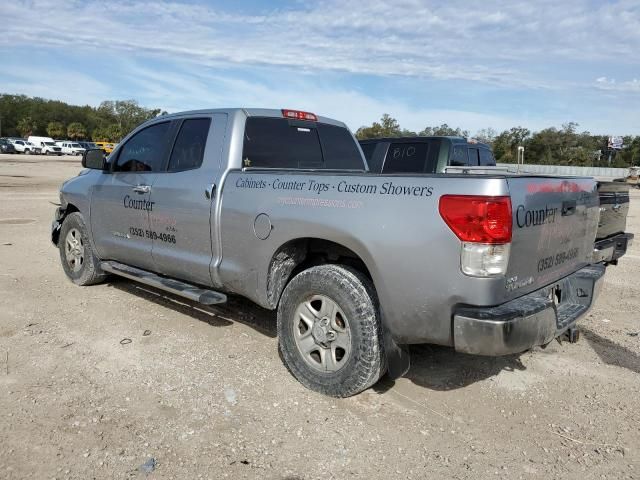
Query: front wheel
{"x": 79, "y": 261}
{"x": 329, "y": 330}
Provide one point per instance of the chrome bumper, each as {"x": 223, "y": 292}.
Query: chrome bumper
{"x": 611, "y": 249}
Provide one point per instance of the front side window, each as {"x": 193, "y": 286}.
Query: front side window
{"x": 144, "y": 152}
{"x": 188, "y": 150}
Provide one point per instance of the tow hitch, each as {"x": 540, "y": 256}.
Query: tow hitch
{"x": 572, "y": 335}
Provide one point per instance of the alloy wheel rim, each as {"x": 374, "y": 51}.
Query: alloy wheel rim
{"x": 74, "y": 250}
{"x": 322, "y": 335}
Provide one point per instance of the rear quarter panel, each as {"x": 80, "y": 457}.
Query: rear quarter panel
{"x": 412, "y": 255}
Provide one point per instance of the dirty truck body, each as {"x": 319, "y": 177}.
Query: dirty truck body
{"x": 279, "y": 207}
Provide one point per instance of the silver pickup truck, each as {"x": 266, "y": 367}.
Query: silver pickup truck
{"x": 281, "y": 208}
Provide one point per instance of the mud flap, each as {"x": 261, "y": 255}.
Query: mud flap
{"x": 398, "y": 357}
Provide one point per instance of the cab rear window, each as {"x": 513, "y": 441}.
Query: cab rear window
{"x": 412, "y": 157}
{"x": 294, "y": 144}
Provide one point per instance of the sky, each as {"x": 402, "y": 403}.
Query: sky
{"x": 472, "y": 64}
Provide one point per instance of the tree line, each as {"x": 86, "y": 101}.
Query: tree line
{"x": 22, "y": 116}
{"x": 552, "y": 146}
{"x": 113, "y": 119}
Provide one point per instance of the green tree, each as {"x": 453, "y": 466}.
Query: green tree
{"x": 126, "y": 114}
{"x": 444, "y": 130}
{"x": 387, "y": 127}
{"x": 26, "y": 126}
{"x": 55, "y": 129}
{"x": 505, "y": 145}
{"x": 108, "y": 133}
{"x": 76, "y": 131}
{"x": 486, "y": 135}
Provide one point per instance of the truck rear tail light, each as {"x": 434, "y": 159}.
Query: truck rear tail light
{"x": 299, "y": 115}
{"x": 478, "y": 219}
{"x": 484, "y": 225}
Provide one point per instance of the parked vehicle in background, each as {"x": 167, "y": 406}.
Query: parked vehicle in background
{"x": 32, "y": 148}
{"x": 24, "y": 146}
{"x": 6, "y": 146}
{"x": 106, "y": 147}
{"x": 280, "y": 207}
{"x": 611, "y": 240}
{"x": 88, "y": 145}
{"x": 46, "y": 144}
{"x": 19, "y": 145}
{"x": 424, "y": 154}
{"x": 70, "y": 148}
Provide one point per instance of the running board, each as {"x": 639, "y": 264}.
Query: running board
{"x": 186, "y": 290}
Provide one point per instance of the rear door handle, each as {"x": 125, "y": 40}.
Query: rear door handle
{"x": 142, "y": 189}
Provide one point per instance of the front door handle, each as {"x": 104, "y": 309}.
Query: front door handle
{"x": 142, "y": 189}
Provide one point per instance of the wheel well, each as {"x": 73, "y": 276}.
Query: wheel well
{"x": 55, "y": 234}
{"x": 300, "y": 254}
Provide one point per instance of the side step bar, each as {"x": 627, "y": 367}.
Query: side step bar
{"x": 186, "y": 290}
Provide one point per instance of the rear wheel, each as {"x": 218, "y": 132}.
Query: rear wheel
{"x": 78, "y": 259}
{"x": 329, "y": 330}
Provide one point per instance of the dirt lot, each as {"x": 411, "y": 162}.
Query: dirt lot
{"x": 205, "y": 394}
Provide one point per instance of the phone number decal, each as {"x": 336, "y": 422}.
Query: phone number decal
{"x": 163, "y": 237}
{"x": 560, "y": 258}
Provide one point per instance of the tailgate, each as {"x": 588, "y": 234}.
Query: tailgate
{"x": 554, "y": 228}
{"x": 614, "y": 207}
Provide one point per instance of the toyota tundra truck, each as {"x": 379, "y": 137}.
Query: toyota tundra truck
{"x": 280, "y": 207}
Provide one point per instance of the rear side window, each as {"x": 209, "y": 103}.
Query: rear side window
{"x": 188, "y": 150}
{"x": 459, "y": 156}
{"x": 290, "y": 144}
{"x": 339, "y": 149}
{"x": 474, "y": 158}
{"x": 144, "y": 152}
{"x": 486, "y": 158}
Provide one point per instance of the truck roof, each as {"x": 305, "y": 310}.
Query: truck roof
{"x": 249, "y": 112}
{"x": 418, "y": 139}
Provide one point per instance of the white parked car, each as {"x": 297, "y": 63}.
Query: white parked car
{"x": 70, "y": 148}
{"x": 24, "y": 146}
{"x": 19, "y": 145}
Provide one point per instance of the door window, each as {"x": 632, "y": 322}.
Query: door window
{"x": 188, "y": 151}
{"x": 474, "y": 159}
{"x": 145, "y": 151}
{"x": 486, "y": 157}
{"x": 459, "y": 156}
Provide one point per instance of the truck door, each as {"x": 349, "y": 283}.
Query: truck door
{"x": 121, "y": 203}
{"x": 183, "y": 233}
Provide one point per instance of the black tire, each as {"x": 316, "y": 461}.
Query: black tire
{"x": 84, "y": 272}
{"x": 354, "y": 294}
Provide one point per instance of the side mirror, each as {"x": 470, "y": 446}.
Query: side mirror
{"x": 94, "y": 159}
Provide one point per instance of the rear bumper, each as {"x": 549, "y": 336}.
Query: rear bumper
{"x": 528, "y": 321}
{"x": 609, "y": 250}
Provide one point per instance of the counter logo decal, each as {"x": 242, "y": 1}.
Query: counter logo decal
{"x": 530, "y": 218}
{"x": 137, "y": 204}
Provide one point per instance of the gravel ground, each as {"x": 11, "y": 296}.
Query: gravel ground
{"x": 201, "y": 392}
